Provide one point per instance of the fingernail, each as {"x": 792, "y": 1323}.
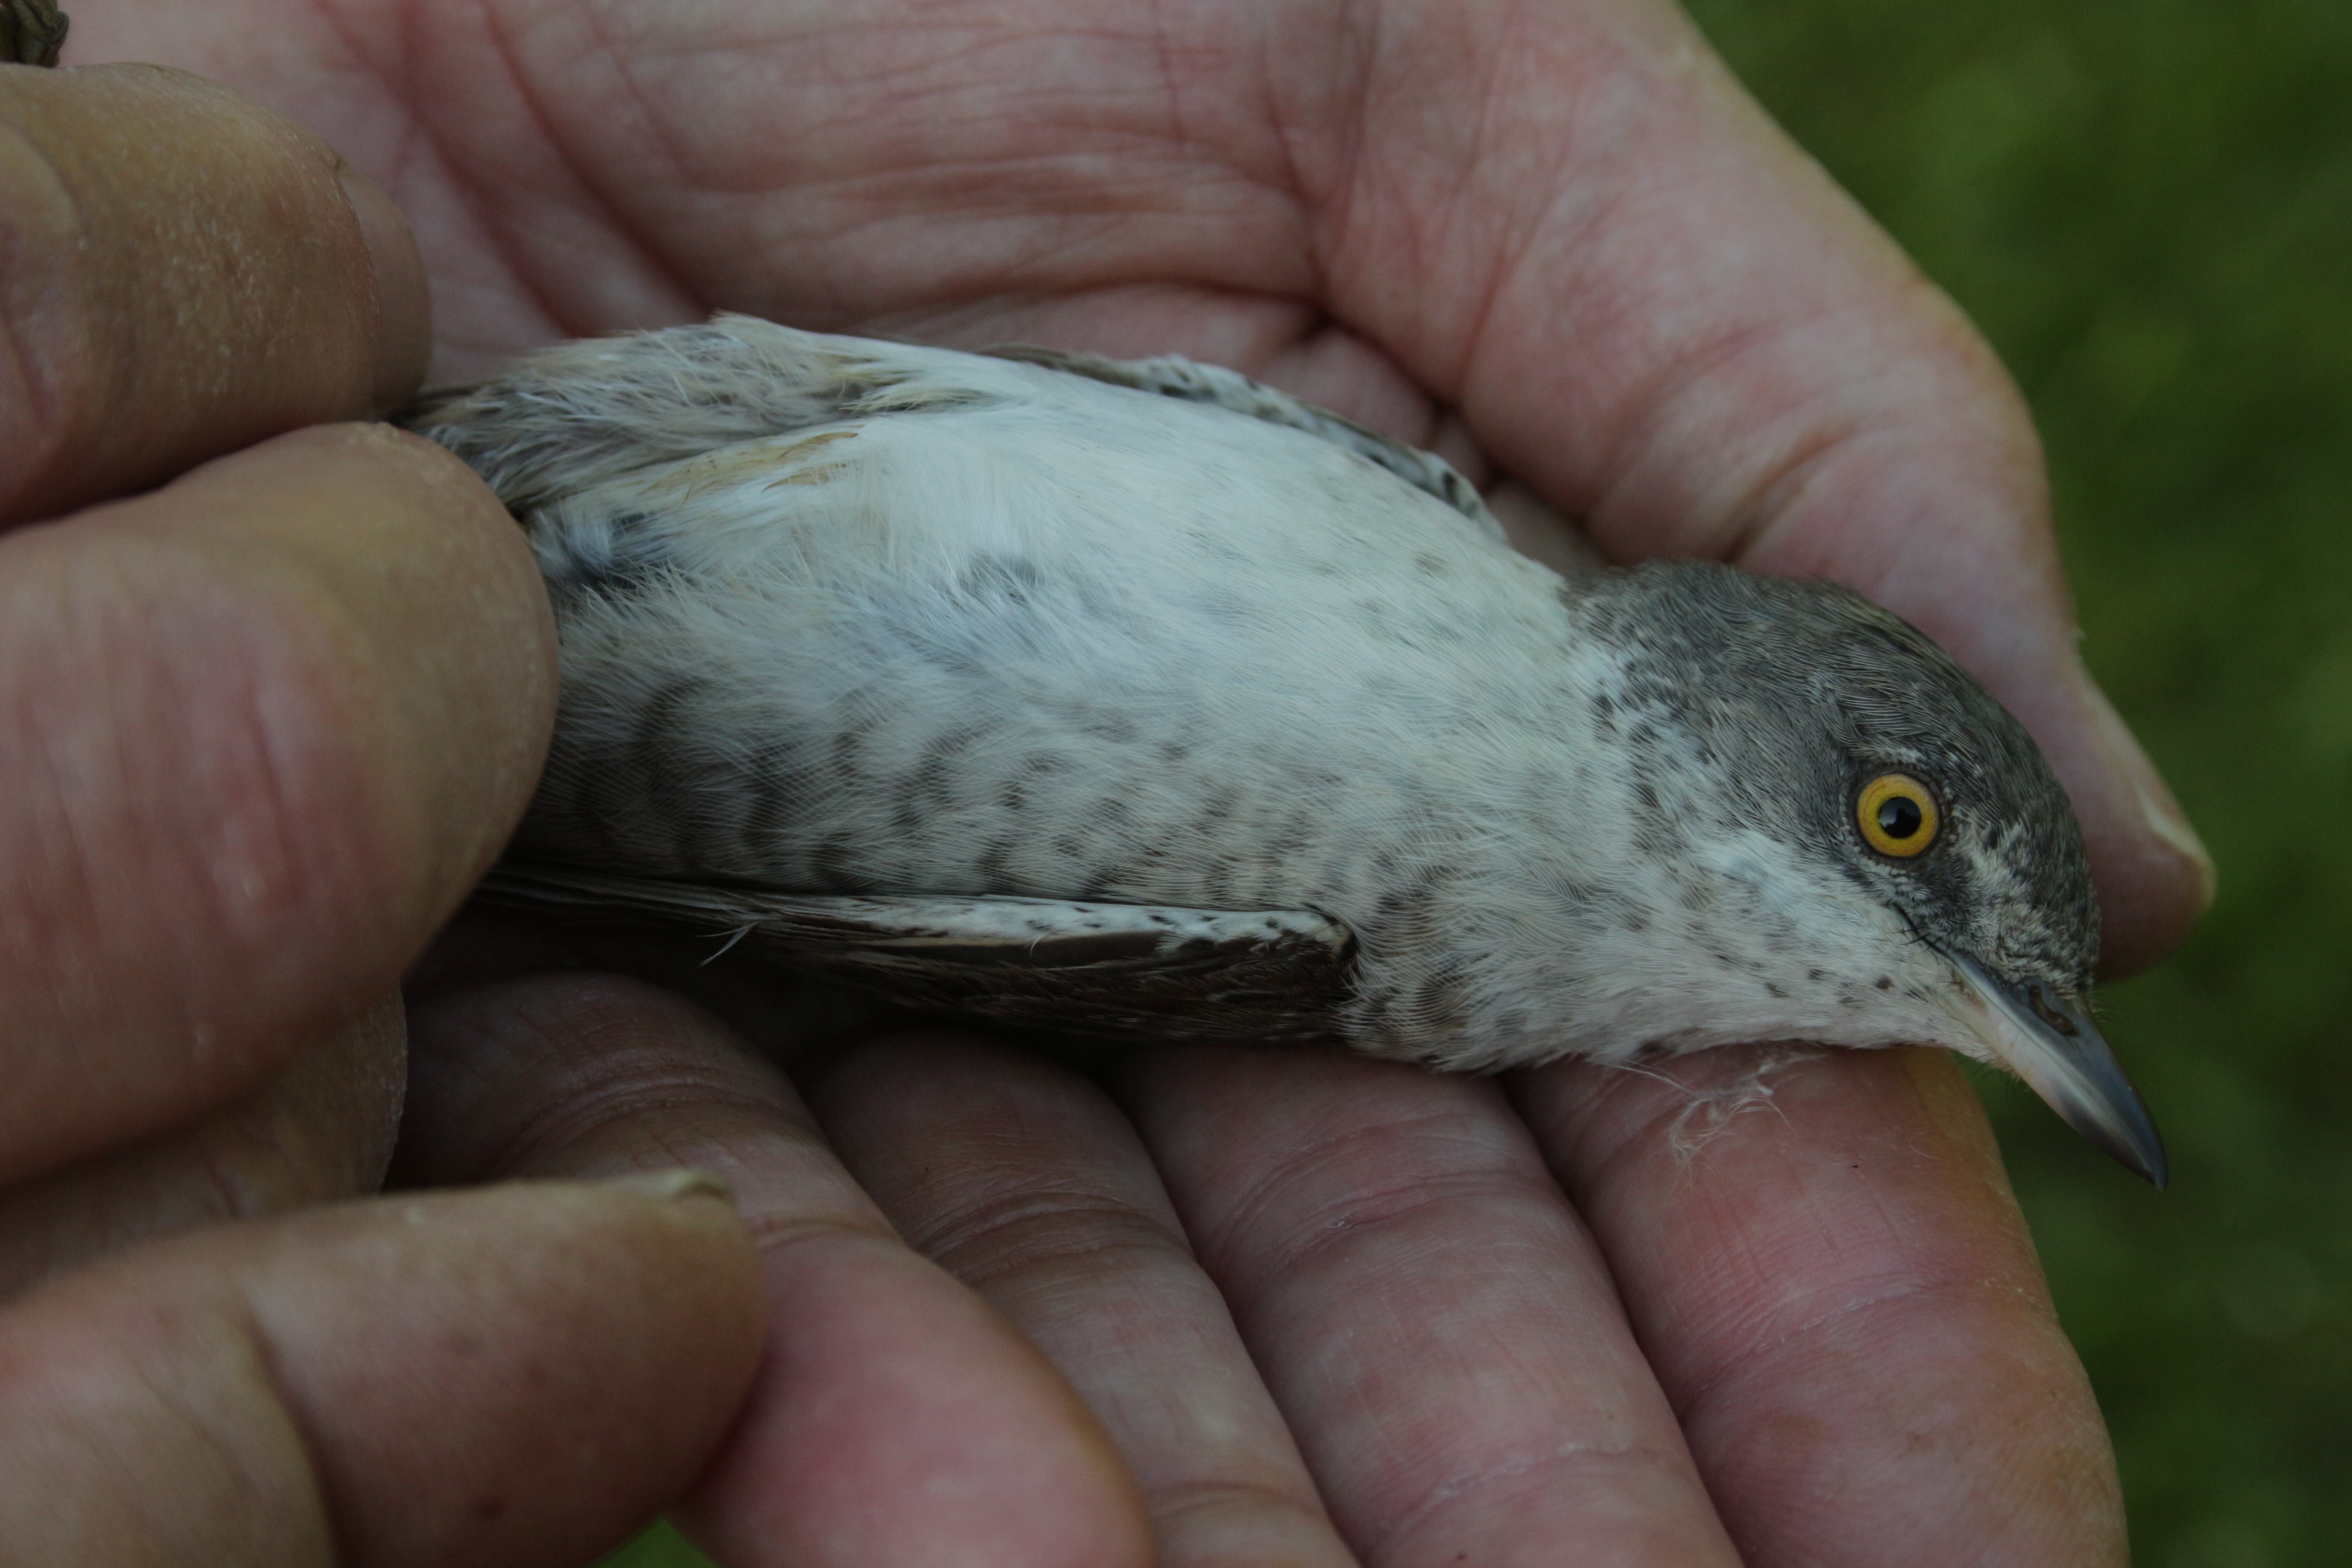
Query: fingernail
{"x": 671, "y": 1186}
{"x": 403, "y": 305}
{"x": 2158, "y": 808}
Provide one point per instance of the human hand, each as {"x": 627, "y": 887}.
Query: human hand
{"x": 266, "y": 724}
{"x": 1556, "y": 243}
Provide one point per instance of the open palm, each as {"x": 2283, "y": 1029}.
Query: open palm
{"x": 1325, "y": 1310}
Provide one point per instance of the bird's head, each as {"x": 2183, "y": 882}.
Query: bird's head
{"x": 1839, "y": 730}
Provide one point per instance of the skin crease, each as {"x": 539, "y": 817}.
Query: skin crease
{"x": 1608, "y": 278}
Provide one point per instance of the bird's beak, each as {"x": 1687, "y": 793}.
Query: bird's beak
{"x": 2047, "y": 1038}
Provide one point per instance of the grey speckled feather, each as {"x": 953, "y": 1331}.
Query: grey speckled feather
{"x": 863, "y": 621}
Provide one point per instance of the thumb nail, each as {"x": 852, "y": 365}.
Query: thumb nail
{"x": 2158, "y": 808}
{"x": 404, "y": 306}
{"x": 671, "y": 1186}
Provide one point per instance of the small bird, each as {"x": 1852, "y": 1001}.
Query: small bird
{"x": 1140, "y": 699}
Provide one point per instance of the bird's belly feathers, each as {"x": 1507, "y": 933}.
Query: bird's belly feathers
{"x": 985, "y": 652}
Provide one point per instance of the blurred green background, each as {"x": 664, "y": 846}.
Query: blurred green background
{"x": 2147, "y": 207}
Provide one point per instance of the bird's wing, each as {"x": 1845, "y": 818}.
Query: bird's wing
{"x": 1170, "y": 375}
{"x": 571, "y": 417}
{"x": 1122, "y": 971}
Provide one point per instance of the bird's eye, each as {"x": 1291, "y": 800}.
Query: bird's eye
{"x": 1896, "y": 815}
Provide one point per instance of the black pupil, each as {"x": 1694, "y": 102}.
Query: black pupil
{"x": 1899, "y": 817}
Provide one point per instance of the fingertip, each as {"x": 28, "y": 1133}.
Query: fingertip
{"x": 2155, "y": 876}
{"x": 685, "y": 1228}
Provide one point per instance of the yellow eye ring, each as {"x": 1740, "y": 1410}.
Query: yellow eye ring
{"x": 1897, "y": 816}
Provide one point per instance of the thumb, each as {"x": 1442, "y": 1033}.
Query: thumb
{"x": 508, "y": 1376}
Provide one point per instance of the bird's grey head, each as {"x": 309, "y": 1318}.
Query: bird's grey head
{"x": 1837, "y": 729}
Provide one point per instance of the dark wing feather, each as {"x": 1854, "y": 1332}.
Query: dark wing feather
{"x": 1121, "y": 971}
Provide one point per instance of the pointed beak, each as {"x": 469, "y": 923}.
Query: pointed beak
{"x": 2047, "y": 1038}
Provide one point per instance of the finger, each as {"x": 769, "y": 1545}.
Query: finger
{"x": 320, "y": 1130}
{"x": 509, "y": 1377}
{"x": 1829, "y": 1272}
{"x": 1651, "y": 305}
{"x": 188, "y": 273}
{"x": 268, "y": 725}
{"x": 1026, "y": 1183}
{"x": 1433, "y": 1321}
{"x": 897, "y": 1420}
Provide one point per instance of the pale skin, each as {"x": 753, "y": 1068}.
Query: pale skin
{"x": 1217, "y": 1306}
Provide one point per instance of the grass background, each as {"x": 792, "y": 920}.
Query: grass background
{"x": 2147, "y": 207}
